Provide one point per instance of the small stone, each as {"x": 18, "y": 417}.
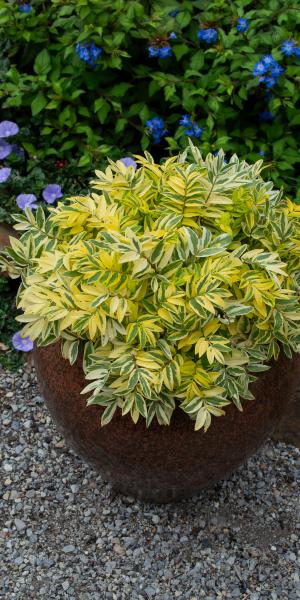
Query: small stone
{"x": 150, "y": 591}
{"x": 119, "y": 549}
{"x": 69, "y": 548}
{"x": 20, "y": 525}
{"x": 65, "y": 585}
{"x": 7, "y": 467}
{"x": 155, "y": 519}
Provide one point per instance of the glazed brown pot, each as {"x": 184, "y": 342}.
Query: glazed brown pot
{"x": 162, "y": 463}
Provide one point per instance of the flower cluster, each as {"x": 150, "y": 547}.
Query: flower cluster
{"x": 208, "y": 35}
{"x": 242, "y": 24}
{"x": 156, "y": 128}
{"x": 267, "y": 70}
{"x": 290, "y": 48}
{"x": 89, "y": 53}
{"x": 51, "y": 192}
{"x": 7, "y": 129}
{"x": 193, "y": 129}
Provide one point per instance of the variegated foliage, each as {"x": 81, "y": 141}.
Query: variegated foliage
{"x": 177, "y": 281}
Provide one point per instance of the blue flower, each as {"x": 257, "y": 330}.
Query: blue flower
{"x": 4, "y": 174}
{"x": 165, "y": 52}
{"x": 209, "y": 35}
{"x": 159, "y": 52}
{"x": 276, "y": 69}
{"x": 194, "y": 131}
{"x": 25, "y": 8}
{"x": 259, "y": 69}
{"x": 89, "y": 53}
{"x": 297, "y": 51}
{"x": 288, "y": 47}
{"x": 5, "y": 149}
{"x": 266, "y": 115}
{"x": 172, "y": 36}
{"x": 8, "y": 128}
{"x": 261, "y": 152}
{"x": 156, "y": 128}
{"x": 95, "y": 52}
{"x": 268, "y": 60}
{"x": 52, "y": 192}
{"x": 153, "y": 51}
{"x": 270, "y": 81}
{"x": 26, "y": 200}
{"x": 128, "y": 162}
{"x": 242, "y": 24}
{"x": 173, "y": 13}
{"x": 22, "y": 343}
{"x": 185, "y": 121}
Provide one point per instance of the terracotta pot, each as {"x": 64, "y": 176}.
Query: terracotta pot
{"x": 162, "y": 463}
{"x": 288, "y": 430}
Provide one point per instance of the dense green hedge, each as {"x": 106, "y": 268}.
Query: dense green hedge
{"x": 70, "y": 110}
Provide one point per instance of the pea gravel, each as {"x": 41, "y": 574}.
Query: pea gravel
{"x": 64, "y": 534}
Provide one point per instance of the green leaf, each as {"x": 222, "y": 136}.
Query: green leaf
{"x": 42, "y": 63}
{"x": 102, "y": 108}
{"x": 38, "y": 104}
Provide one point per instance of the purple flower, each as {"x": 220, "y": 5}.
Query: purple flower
{"x": 26, "y": 200}
{"x": 8, "y": 128}
{"x": 288, "y": 47}
{"x": 172, "y": 36}
{"x": 22, "y": 343}
{"x": 242, "y": 24}
{"x": 25, "y": 8}
{"x": 52, "y": 192}
{"x": 5, "y": 149}
{"x": 185, "y": 121}
{"x": 128, "y": 162}
{"x": 209, "y": 35}
{"x": 4, "y": 174}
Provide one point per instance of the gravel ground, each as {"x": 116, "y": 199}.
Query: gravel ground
{"x": 64, "y": 535}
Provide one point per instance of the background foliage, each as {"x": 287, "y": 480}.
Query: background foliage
{"x": 73, "y": 114}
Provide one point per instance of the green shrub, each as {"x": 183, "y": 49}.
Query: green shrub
{"x": 178, "y": 281}
{"x": 69, "y": 109}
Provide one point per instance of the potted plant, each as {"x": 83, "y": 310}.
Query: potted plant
{"x": 170, "y": 296}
